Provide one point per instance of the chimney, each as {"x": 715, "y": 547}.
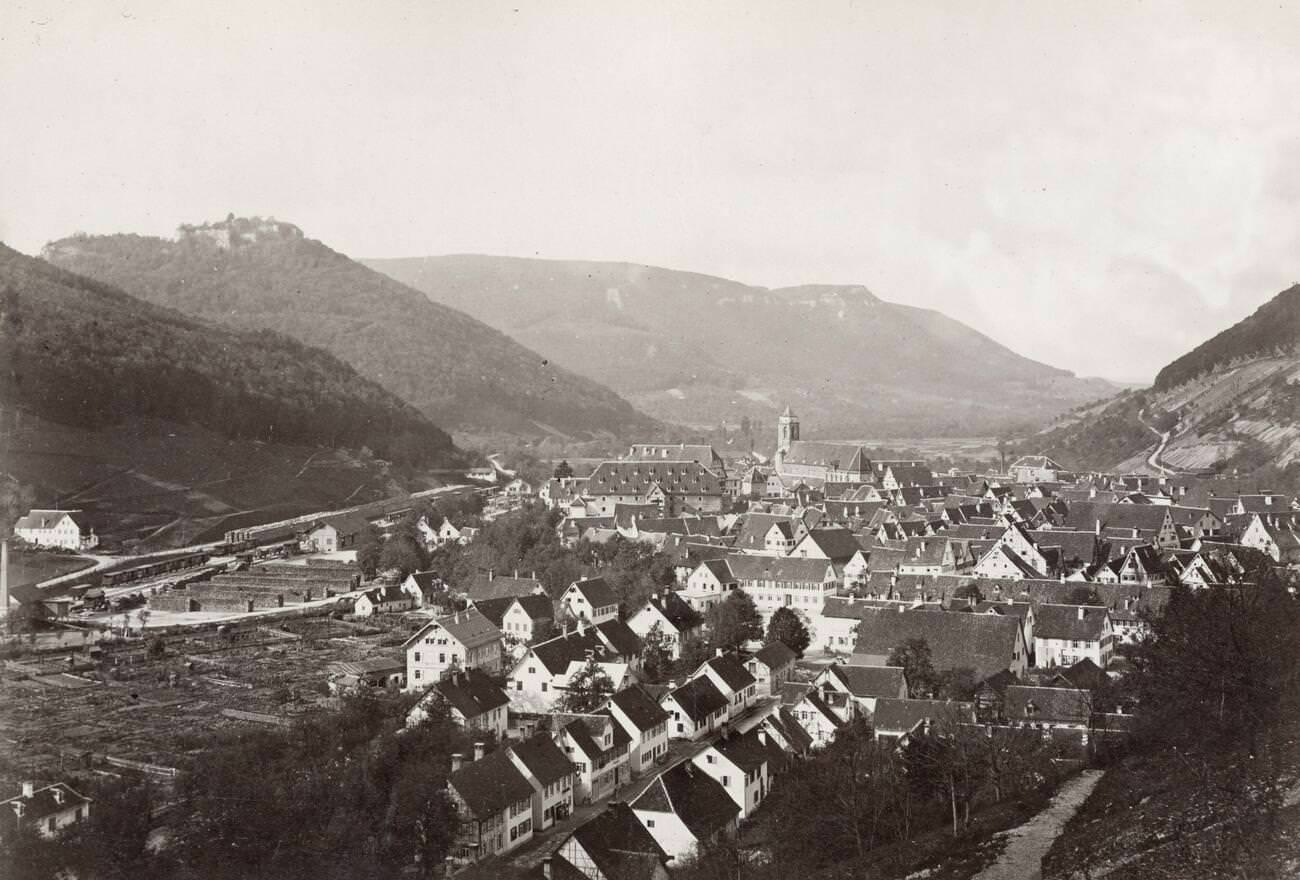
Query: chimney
{"x": 457, "y": 759}
{"x": 4, "y": 577}
{"x": 546, "y": 868}
{"x": 29, "y": 789}
{"x": 58, "y": 795}
{"x": 717, "y": 652}
{"x": 478, "y": 751}
{"x": 762, "y": 736}
{"x": 1081, "y": 610}
{"x": 1097, "y": 530}
{"x": 491, "y": 574}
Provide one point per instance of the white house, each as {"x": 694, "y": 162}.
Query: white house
{"x": 541, "y": 677}
{"x": 455, "y": 642}
{"x": 864, "y": 684}
{"x": 598, "y": 747}
{"x": 56, "y": 528}
{"x": 674, "y": 616}
{"x": 685, "y": 809}
{"x": 709, "y": 584}
{"x": 552, "y": 776}
{"x": 387, "y": 600}
{"x": 772, "y": 665}
{"x": 494, "y": 803}
{"x": 1066, "y": 634}
{"x": 697, "y": 708}
{"x": 472, "y": 700}
{"x": 731, "y": 678}
{"x": 739, "y": 762}
{"x": 590, "y": 599}
{"x": 646, "y": 723}
{"x": 48, "y": 809}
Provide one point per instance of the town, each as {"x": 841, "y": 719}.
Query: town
{"x": 635, "y": 655}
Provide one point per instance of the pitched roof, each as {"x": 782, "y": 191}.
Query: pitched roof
{"x": 840, "y": 456}
{"x": 780, "y": 568}
{"x": 869, "y": 681}
{"x": 696, "y": 798}
{"x": 543, "y": 758}
{"x": 775, "y": 654}
{"x": 639, "y": 707}
{"x": 615, "y": 835}
{"x": 1074, "y": 622}
{"x": 699, "y": 698}
{"x": 982, "y": 642}
{"x": 637, "y": 477}
{"x": 745, "y": 750}
{"x": 1024, "y": 702}
{"x": 732, "y": 672}
{"x": 752, "y": 529}
{"x": 799, "y": 739}
{"x": 48, "y": 519}
{"x": 902, "y": 716}
{"x": 46, "y": 801}
{"x": 597, "y": 591}
{"x": 493, "y": 586}
{"x": 471, "y": 693}
{"x": 836, "y": 543}
{"x": 573, "y": 646}
{"x": 469, "y": 627}
{"x": 427, "y": 581}
{"x": 620, "y": 637}
{"x": 489, "y": 785}
{"x": 676, "y": 610}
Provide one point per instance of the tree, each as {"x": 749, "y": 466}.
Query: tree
{"x": 656, "y": 658}
{"x": 1083, "y": 595}
{"x": 787, "y": 626}
{"x": 955, "y": 684}
{"x": 918, "y": 669}
{"x": 588, "y": 688}
{"x": 694, "y": 652}
{"x": 369, "y": 552}
{"x": 403, "y": 553}
{"x": 734, "y": 621}
{"x": 969, "y": 591}
{"x": 562, "y": 471}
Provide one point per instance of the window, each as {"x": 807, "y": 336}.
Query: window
{"x": 417, "y": 673}
{"x": 543, "y": 687}
{"x": 710, "y": 759}
{"x": 726, "y": 780}
{"x": 442, "y": 658}
{"x": 519, "y": 685}
{"x": 649, "y": 823}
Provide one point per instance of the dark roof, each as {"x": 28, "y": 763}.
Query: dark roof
{"x": 838, "y": 544}
{"x": 982, "y": 642}
{"x": 745, "y": 750}
{"x": 596, "y": 591}
{"x": 543, "y": 758}
{"x": 734, "y": 675}
{"x": 841, "y": 456}
{"x": 1074, "y": 622}
{"x": 537, "y": 607}
{"x": 471, "y": 693}
{"x": 556, "y": 654}
{"x": 799, "y": 739}
{"x": 485, "y": 586}
{"x": 1026, "y": 703}
{"x": 469, "y": 627}
{"x": 1085, "y": 674}
{"x": 779, "y": 568}
{"x": 427, "y": 581}
{"x": 870, "y": 681}
{"x": 639, "y": 707}
{"x": 775, "y": 654}
{"x": 490, "y": 785}
{"x": 699, "y": 801}
{"x": 699, "y": 698}
{"x": 45, "y": 801}
{"x": 613, "y": 836}
{"x": 676, "y": 609}
{"x": 902, "y": 716}
{"x": 620, "y": 637}
{"x": 637, "y": 477}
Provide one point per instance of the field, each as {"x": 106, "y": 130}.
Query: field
{"x": 154, "y": 485}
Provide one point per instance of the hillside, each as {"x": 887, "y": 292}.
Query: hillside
{"x": 1274, "y": 329}
{"x": 696, "y": 349}
{"x": 1233, "y": 403}
{"x": 82, "y": 353}
{"x": 251, "y": 273}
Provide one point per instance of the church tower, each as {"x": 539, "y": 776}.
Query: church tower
{"x": 787, "y": 431}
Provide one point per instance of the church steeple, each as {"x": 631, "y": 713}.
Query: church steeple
{"x": 787, "y": 431}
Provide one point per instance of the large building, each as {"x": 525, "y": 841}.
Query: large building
{"x": 56, "y": 528}
{"x": 674, "y": 487}
{"x": 816, "y": 462}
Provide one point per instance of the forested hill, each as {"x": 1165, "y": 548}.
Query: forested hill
{"x": 253, "y": 273}
{"x": 1274, "y": 329}
{"x": 82, "y": 353}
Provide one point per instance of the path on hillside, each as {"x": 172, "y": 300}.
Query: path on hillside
{"x": 1154, "y": 458}
{"x": 1028, "y": 843}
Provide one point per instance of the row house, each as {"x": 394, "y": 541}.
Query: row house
{"x": 551, "y": 774}
{"x": 493, "y": 801}
{"x": 771, "y": 666}
{"x": 598, "y": 747}
{"x": 646, "y": 724}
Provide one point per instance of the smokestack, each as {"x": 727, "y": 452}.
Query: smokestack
{"x": 4, "y": 577}
{"x": 478, "y": 751}
{"x": 457, "y": 759}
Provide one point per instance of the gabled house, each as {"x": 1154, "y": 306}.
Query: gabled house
{"x": 520, "y": 618}
{"x": 686, "y": 809}
{"x": 455, "y": 642}
{"x": 1065, "y": 634}
{"x": 1047, "y": 708}
{"x": 771, "y": 666}
{"x": 551, "y": 774}
{"x": 540, "y": 678}
{"x": 612, "y": 845}
{"x": 821, "y": 713}
{"x": 494, "y": 803}
{"x": 472, "y": 699}
{"x": 739, "y": 762}
{"x": 732, "y": 679}
{"x": 898, "y": 720}
{"x": 985, "y": 643}
{"x": 428, "y": 584}
{"x": 489, "y": 585}
{"x": 787, "y": 582}
{"x": 341, "y": 532}
{"x": 698, "y": 708}
{"x": 590, "y": 599}
{"x": 392, "y": 599}
{"x": 710, "y": 583}
{"x": 598, "y": 747}
{"x": 864, "y": 684}
{"x": 674, "y": 616}
{"x": 646, "y": 723}
{"x": 57, "y": 528}
{"x": 838, "y": 545}
{"x": 49, "y": 809}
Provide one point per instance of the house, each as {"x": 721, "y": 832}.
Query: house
{"x": 494, "y": 803}
{"x": 897, "y": 720}
{"x": 864, "y": 684}
{"x": 1151, "y": 522}
{"x": 673, "y": 615}
{"x": 612, "y": 845}
{"x": 334, "y": 533}
{"x": 900, "y": 474}
{"x": 697, "y": 708}
{"x": 1066, "y": 634}
{"x": 1001, "y": 562}
{"x": 361, "y": 675}
{"x": 49, "y": 809}
{"x": 550, "y": 773}
{"x": 676, "y": 487}
{"x": 590, "y": 599}
{"x": 521, "y": 619}
{"x": 598, "y": 747}
{"x": 838, "y": 545}
{"x": 1279, "y": 542}
{"x": 391, "y": 599}
{"x": 820, "y": 713}
{"x": 686, "y": 809}
{"x": 57, "y": 528}
{"x": 491, "y": 585}
{"x": 771, "y": 666}
{"x": 834, "y": 627}
{"x": 1047, "y": 708}
{"x": 787, "y": 582}
{"x": 699, "y": 453}
{"x": 645, "y": 721}
{"x": 739, "y": 762}
{"x": 458, "y": 641}
{"x": 1034, "y": 469}
{"x": 731, "y": 678}
{"x": 472, "y": 700}
{"x": 984, "y": 643}
{"x": 540, "y": 678}
{"x": 447, "y": 533}
{"x": 429, "y": 585}
{"x": 517, "y": 488}
{"x": 788, "y": 733}
{"x": 709, "y": 584}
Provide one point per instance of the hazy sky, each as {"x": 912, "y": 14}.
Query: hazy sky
{"x": 1097, "y": 185}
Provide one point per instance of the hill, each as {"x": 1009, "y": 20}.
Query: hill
{"x": 1274, "y": 329}
{"x": 696, "y": 350}
{"x": 1233, "y": 403}
{"x": 253, "y": 273}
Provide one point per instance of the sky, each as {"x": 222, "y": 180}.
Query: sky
{"x": 1097, "y": 185}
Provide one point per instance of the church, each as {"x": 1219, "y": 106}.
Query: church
{"x": 816, "y": 462}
